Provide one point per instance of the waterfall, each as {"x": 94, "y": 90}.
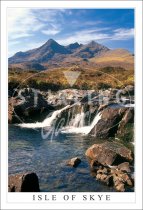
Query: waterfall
{"x": 75, "y": 125}
{"x": 78, "y": 121}
{"x": 82, "y": 129}
{"x": 47, "y": 122}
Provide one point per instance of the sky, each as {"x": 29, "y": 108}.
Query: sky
{"x": 29, "y": 28}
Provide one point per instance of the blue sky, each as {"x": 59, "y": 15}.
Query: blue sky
{"x": 30, "y": 28}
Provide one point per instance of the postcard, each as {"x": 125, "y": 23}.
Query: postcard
{"x": 71, "y": 105}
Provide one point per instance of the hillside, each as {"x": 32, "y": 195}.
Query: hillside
{"x": 89, "y": 78}
{"x": 117, "y": 57}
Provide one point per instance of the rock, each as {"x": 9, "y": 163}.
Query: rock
{"x": 129, "y": 182}
{"x": 122, "y": 177}
{"x": 74, "y": 162}
{"x": 103, "y": 171}
{"x": 98, "y": 176}
{"x": 120, "y": 187}
{"x": 109, "y": 153}
{"x": 107, "y": 126}
{"x": 103, "y": 177}
{"x": 109, "y": 180}
{"x": 129, "y": 89}
{"x": 127, "y": 118}
{"x": 126, "y": 126}
{"x": 23, "y": 183}
{"x": 94, "y": 165}
{"x": 124, "y": 167}
{"x": 28, "y": 106}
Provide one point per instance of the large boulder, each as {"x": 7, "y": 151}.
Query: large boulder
{"x": 109, "y": 153}
{"x": 29, "y": 106}
{"x": 23, "y": 183}
{"x": 107, "y": 126}
{"x": 110, "y": 164}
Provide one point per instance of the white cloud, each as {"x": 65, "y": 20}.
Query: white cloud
{"x": 50, "y": 32}
{"x": 83, "y": 37}
{"x": 123, "y": 34}
{"x": 22, "y": 22}
{"x": 97, "y": 34}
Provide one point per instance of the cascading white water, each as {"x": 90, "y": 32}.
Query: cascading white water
{"x": 83, "y": 129}
{"x": 78, "y": 120}
{"x": 47, "y": 122}
{"x": 76, "y": 125}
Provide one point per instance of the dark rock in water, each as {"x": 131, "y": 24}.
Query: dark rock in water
{"x": 109, "y": 153}
{"x": 107, "y": 126}
{"x": 74, "y": 162}
{"x": 23, "y": 183}
{"x": 124, "y": 167}
{"x": 28, "y": 106}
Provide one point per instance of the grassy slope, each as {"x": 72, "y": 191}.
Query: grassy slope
{"x": 117, "y": 57}
{"x": 90, "y": 78}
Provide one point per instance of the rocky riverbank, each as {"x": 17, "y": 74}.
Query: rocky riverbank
{"x": 112, "y": 163}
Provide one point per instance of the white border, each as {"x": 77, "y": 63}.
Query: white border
{"x": 120, "y": 197}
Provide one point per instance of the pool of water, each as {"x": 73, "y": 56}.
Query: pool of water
{"x": 29, "y": 152}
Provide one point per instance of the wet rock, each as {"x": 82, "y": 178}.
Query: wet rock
{"x": 107, "y": 126}
{"x": 109, "y": 153}
{"x": 124, "y": 167}
{"x": 23, "y": 183}
{"x": 74, "y": 162}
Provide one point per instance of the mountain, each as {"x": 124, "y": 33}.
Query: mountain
{"x": 41, "y": 54}
{"x": 90, "y": 50}
{"x": 73, "y": 47}
{"x": 51, "y": 50}
{"x": 52, "y": 54}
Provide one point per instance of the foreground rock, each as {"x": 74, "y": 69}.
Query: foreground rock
{"x": 109, "y": 153}
{"x": 110, "y": 164}
{"x": 23, "y": 183}
{"x": 114, "y": 177}
{"x": 74, "y": 162}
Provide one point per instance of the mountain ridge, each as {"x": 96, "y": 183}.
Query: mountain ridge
{"x": 52, "y": 54}
{"x": 45, "y": 52}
